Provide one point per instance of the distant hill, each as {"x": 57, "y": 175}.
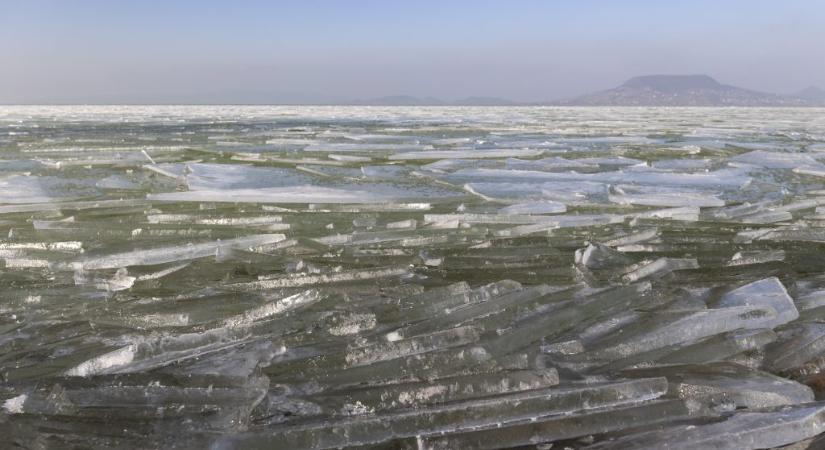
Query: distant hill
{"x": 812, "y": 94}
{"x": 683, "y": 90}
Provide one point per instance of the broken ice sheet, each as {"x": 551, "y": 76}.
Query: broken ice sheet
{"x": 458, "y": 154}
{"x": 516, "y": 192}
{"x": 545, "y": 207}
{"x": 460, "y": 416}
{"x": 660, "y": 266}
{"x": 295, "y": 194}
{"x": 547, "y": 429}
{"x": 778, "y": 160}
{"x": 27, "y": 189}
{"x": 769, "y": 293}
{"x": 662, "y": 196}
{"x": 418, "y": 394}
{"x": 471, "y": 300}
{"x": 743, "y": 430}
{"x": 718, "y": 383}
{"x": 175, "y": 253}
{"x": 724, "y": 178}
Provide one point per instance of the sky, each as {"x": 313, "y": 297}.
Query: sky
{"x": 244, "y": 51}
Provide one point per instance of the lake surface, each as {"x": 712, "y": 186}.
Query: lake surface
{"x": 411, "y": 277}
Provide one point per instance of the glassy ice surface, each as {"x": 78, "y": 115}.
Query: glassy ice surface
{"x": 430, "y": 278}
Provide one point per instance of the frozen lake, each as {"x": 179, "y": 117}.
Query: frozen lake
{"x": 411, "y": 277}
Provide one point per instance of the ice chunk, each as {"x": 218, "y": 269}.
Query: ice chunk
{"x": 617, "y": 161}
{"x": 543, "y": 207}
{"x": 569, "y": 193}
{"x": 475, "y": 153}
{"x": 349, "y": 324}
{"x": 726, "y": 178}
{"x": 487, "y": 218}
{"x": 660, "y": 266}
{"x": 177, "y": 253}
{"x": 554, "y": 163}
{"x": 658, "y": 196}
{"x": 402, "y": 224}
{"x": 682, "y": 164}
{"x": 467, "y": 415}
{"x": 274, "y": 308}
{"x": 744, "y": 430}
{"x": 79, "y": 205}
{"x": 634, "y": 238}
{"x": 121, "y": 281}
{"x": 115, "y": 358}
{"x": 557, "y": 427}
{"x": 667, "y": 329}
{"x": 349, "y": 158}
{"x": 768, "y": 293}
{"x": 22, "y": 189}
{"x": 14, "y": 405}
{"x": 412, "y": 346}
{"x": 778, "y": 160}
{"x": 296, "y": 194}
{"x": 756, "y": 257}
{"x": 297, "y": 280}
{"x": 372, "y": 147}
{"x": 597, "y": 256}
{"x": 797, "y": 345}
{"x": 717, "y": 383}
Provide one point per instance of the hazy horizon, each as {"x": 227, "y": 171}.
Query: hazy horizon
{"x": 327, "y": 52}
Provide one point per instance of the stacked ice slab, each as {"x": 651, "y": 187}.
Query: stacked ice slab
{"x": 422, "y": 278}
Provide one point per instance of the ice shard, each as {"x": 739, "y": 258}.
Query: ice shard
{"x": 175, "y": 253}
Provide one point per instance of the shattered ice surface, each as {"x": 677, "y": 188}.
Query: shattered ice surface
{"x": 232, "y": 277}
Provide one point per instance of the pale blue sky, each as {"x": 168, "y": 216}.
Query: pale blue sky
{"x": 173, "y": 51}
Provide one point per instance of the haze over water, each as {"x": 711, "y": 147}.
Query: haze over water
{"x": 327, "y": 51}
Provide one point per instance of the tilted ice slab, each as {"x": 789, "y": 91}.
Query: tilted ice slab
{"x": 443, "y": 390}
{"x": 22, "y": 189}
{"x": 484, "y": 413}
{"x": 554, "y": 163}
{"x": 617, "y": 161}
{"x": 460, "y": 154}
{"x": 560, "y": 427}
{"x": 372, "y": 147}
{"x": 563, "y": 192}
{"x": 292, "y": 194}
{"x": 159, "y": 351}
{"x": 778, "y": 160}
{"x": 302, "y": 279}
{"x": 137, "y": 399}
{"x": 659, "y": 331}
{"x": 204, "y": 176}
{"x": 544, "y": 207}
{"x": 682, "y": 164}
{"x": 175, "y": 253}
{"x": 760, "y": 305}
{"x": 726, "y": 178}
{"x": 744, "y": 430}
{"x": 767, "y": 293}
{"x": 662, "y": 196}
{"x": 798, "y": 345}
{"x": 720, "y": 382}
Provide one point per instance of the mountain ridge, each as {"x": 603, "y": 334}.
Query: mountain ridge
{"x": 685, "y": 90}
{"x": 642, "y": 90}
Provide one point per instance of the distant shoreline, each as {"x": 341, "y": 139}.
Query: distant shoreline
{"x": 345, "y": 105}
